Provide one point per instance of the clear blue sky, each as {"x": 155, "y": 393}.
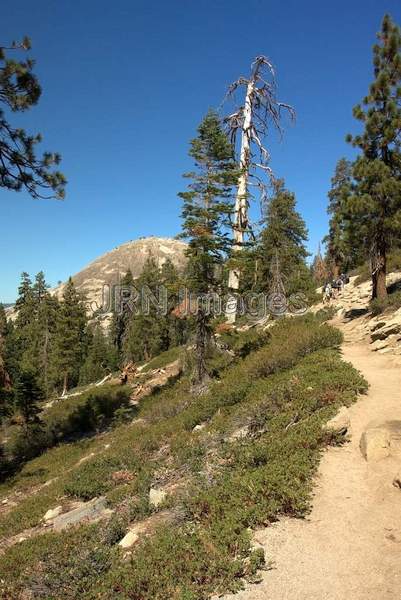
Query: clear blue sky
{"x": 125, "y": 84}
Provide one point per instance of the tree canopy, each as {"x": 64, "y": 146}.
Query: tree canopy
{"x": 21, "y": 167}
{"x": 374, "y": 210}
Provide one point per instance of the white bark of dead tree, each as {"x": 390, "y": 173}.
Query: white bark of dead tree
{"x": 241, "y": 202}
{"x": 252, "y": 119}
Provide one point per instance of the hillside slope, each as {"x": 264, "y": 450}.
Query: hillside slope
{"x": 178, "y": 480}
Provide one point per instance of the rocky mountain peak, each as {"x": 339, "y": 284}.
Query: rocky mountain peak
{"x": 109, "y": 268}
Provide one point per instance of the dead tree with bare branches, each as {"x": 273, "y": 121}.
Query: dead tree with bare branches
{"x": 251, "y": 123}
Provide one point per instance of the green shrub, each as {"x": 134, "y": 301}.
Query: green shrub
{"x": 392, "y": 302}
{"x": 114, "y": 530}
{"x": 179, "y": 564}
{"x": 325, "y": 314}
{"x": 72, "y": 417}
{"x": 25, "y": 444}
{"x": 95, "y": 476}
{"x": 243, "y": 343}
{"x": 89, "y": 412}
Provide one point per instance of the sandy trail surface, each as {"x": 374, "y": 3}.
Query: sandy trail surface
{"x": 350, "y": 545}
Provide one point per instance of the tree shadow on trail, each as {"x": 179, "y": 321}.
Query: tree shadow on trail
{"x": 354, "y": 313}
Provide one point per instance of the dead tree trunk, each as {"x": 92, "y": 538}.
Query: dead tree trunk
{"x": 379, "y": 272}
{"x": 240, "y": 224}
{"x": 260, "y": 109}
{"x": 65, "y": 384}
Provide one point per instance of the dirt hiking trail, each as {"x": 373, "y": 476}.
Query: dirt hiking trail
{"x": 349, "y": 547}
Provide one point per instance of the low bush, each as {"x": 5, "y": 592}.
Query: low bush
{"x": 86, "y": 413}
{"x": 325, "y": 314}
{"x": 70, "y": 418}
{"x": 242, "y": 343}
{"x": 392, "y": 302}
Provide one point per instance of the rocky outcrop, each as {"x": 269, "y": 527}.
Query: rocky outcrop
{"x": 158, "y": 378}
{"x": 386, "y": 330}
{"x": 199, "y": 427}
{"x": 88, "y": 511}
{"x": 239, "y": 434}
{"x": 108, "y": 269}
{"x": 352, "y": 308}
{"x": 156, "y": 497}
{"x": 143, "y": 529}
{"x": 375, "y": 444}
{"x": 381, "y": 440}
{"x": 397, "y": 480}
{"x": 340, "y": 423}
{"x": 52, "y": 513}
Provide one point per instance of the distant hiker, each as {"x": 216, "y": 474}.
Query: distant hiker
{"x": 335, "y": 287}
{"x": 344, "y": 278}
{"x": 327, "y": 293}
{"x": 340, "y": 284}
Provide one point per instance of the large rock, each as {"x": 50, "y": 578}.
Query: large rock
{"x": 53, "y": 513}
{"x": 88, "y": 511}
{"x": 340, "y": 423}
{"x": 381, "y": 440}
{"x": 131, "y": 538}
{"x": 144, "y": 528}
{"x": 375, "y": 444}
{"x": 199, "y": 427}
{"x": 156, "y": 497}
{"x": 379, "y": 345}
{"x": 394, "y": 429}
{"x": 391, "y": 328}
{"x": 239, "y": 434}
{"x": 377, "y": 326}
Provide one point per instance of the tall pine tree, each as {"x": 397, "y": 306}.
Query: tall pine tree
{"x": 319, "y": 268}
{"x": 70, "y": 337}
{"x": 47, "y": 308}
{"x": 101, "y": 357}
{"x": 282, "y": 243}
{"x": 338, "y": 247}
{"x": 24, "y": 334}
{"x": 3, "y": 322}
{"x": 28, "y": 394}
{"x": 122, "y": 312}
{"x": 206, "y": 212}
{"x": 375, "y": 209}
{"x": 4, "y": 376}
{"x": 146, "y": 335}
{"x": 177, "y": 330}
{"x": 35, "y": 328}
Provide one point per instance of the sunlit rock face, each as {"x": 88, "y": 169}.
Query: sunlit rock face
{"x": 108, "y": 270}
